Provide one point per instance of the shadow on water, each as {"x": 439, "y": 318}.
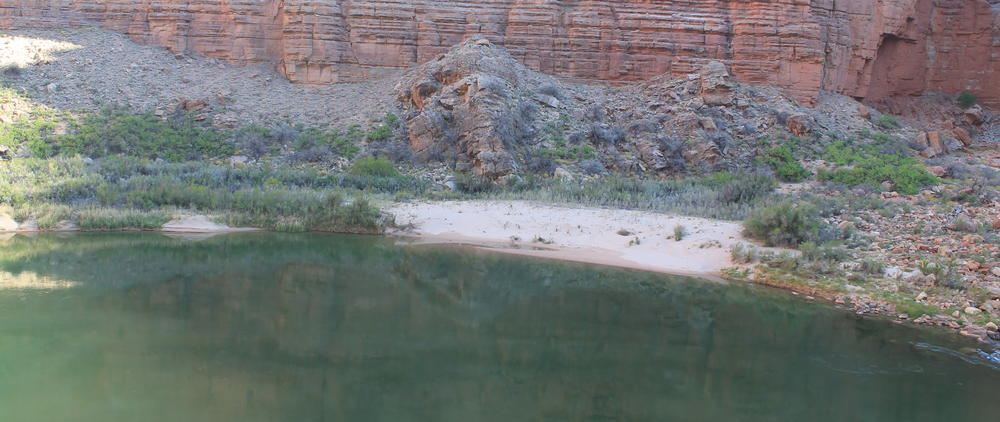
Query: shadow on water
{"x": 265, "y": 326}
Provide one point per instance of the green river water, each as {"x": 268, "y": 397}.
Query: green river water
{"x": 314, "y": 327}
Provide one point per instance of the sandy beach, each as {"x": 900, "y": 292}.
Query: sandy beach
{"x": 633, "y": 239}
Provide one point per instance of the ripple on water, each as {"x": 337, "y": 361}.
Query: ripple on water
{"x": 981, "y": 358}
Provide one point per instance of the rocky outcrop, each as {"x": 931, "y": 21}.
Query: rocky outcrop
{"x": 861, "y": 48}
{"x": 470, "y": 105}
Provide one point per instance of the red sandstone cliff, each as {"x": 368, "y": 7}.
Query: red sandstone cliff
{"x": 862, "y": 48}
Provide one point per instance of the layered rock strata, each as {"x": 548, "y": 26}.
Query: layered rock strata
{"x": 866, "y": 49}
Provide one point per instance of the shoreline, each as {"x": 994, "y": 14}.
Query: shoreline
{"x": 194, "y": 224}
{"x": 639, "y": 240}
{"x": 537, "y": 230}
{"x": 556, "y": 253}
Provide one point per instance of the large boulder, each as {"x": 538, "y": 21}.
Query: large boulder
{"x": 652, "y": 155}
{"x": 973, "y": 115}
{"x": 468, "y": 106}
{"x": 932, "y": 144}
{"x": 799, "y": 124}
{"x": 963, "y": 136}
{"x": 716, "y": 88}
{"x": 700, "y": 151}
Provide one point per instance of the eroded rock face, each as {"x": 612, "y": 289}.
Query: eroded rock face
{"x": 716, "y": 89}
{"x": 467, "y": 106}
{"x": 861, "y": 48}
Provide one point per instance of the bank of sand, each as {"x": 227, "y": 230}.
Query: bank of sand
{"x": 575, "y": 234}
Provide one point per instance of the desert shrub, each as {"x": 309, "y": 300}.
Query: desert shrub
{"x": 696, "y": 196}
{"x": 578, "y": 136}
{"x": 311, "y": 155}
{"x": 784, "y": 164}
{"x": 105, "y": 219}
{"x": 679, "y": 232}
{"x": 605, "y": 134}
{"x": 954, "y": 169}
{"x": 783, "y": 224}
{"x": 397, "y": 151}
{"x": 592, "y": 167}
{"x": 814, "y": 252}
{"x": 638, "y": 127}
{"x": 290, "y": 225}
{"x": 886, "y": 121}
{"x": 963, "y": 224}
{"x": 541, "y": 161}
{"x": 253, "y": 141}
{"x": 783, "y": 260}
{"x": 343, "y": 144}
{"x": 472, "y": 184}
{"x": 871, "y": 266}
{"x": 29, "y": 131}
{"x": 379, "y": 133}
{"x": 47, "y": 216}
{"x": 285, "y": 133}
{"x": 392, "y": 120}
{"x": 673, "y": 152}
{"x": 55, "y": 189}
{"x": 745, "y": 189}
{"x": 743, "y": 254}
{"x": 373, "y": 166}
{"x": 358, "y": 216}
{"x": 118, "y": 131}
{"x": 872, "y": 167}
{"x": 967, "y": 99}
{"x": 945, "y": 273}
{"x": 583, "y": 152}
{"x": 517, "y": 125}
{"x": 550, "y": 90}
{"x": 595, "y": 113}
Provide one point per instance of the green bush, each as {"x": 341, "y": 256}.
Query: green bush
{"x": 967, "y": 99}
{"x": 872, "y": 167}
{"x": 105, "y": 219}
{"x": 784, "y": 164}
{"x": 720, "y": 195}
{"x": 392, "y": 120}
{"x": 679, "y": 232}
{"x": 30, "y": 131}
{"x": 360, "y": 214}
{"x": 813, "y": 252}
{"x": 374, "y": 167}
{"x": 886, "y": 121}
{"x": 468, "y": 183}
{"x": 783, "y": 224}
{"x": 577, "y": 152}
{"x": 743, "y": 254}
{"x": 54, "y": 189}
{"x": 117, "y": 131}
{"x": 380, "y": 133}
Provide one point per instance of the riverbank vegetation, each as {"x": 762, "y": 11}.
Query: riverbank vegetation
{"x": 60, "y": 167}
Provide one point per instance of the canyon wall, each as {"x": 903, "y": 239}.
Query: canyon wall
{"x": 868, "y": 49}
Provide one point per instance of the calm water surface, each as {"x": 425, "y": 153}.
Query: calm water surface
{"x": 274, "y": 327}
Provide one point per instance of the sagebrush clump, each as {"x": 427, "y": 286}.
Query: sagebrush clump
{"x": 374, "y": 167}
{"x": 783, "y": 224}
{"x": 784, "y": 164}
{"x": 967, "y": 99}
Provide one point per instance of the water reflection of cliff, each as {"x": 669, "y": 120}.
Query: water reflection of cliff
{"x": 304, "y": 327}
